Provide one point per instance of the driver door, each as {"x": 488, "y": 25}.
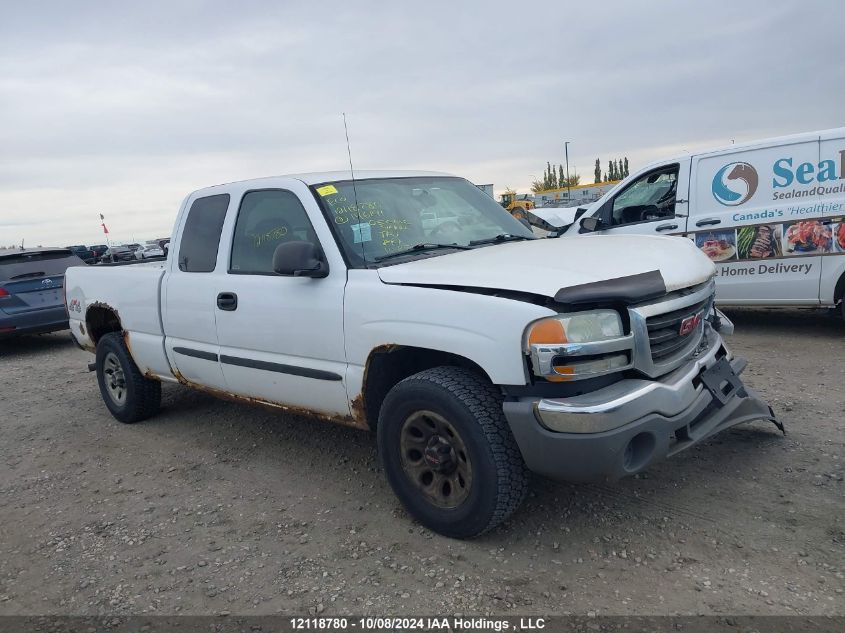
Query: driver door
{"x": 653, "y": 203}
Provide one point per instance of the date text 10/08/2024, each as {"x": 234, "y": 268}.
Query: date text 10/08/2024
{"x": 371, "y": 623}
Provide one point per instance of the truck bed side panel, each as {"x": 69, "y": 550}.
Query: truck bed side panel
{"x": 131, "y": 292}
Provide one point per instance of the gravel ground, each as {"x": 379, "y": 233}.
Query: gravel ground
{"x": 217, "y": 507}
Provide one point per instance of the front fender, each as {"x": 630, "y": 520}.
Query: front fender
{"x": 485, "y": 329}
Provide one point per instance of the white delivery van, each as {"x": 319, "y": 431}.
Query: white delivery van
{"x": 770, "y": 214}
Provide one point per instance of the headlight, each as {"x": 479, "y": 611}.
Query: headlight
{"x": 578, "y": 327}
{"x": 578, "y": 345}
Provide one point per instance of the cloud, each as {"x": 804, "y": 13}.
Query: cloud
{"x": 125, "y": 108}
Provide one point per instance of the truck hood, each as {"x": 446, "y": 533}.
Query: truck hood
{"x": 544, "y": 266}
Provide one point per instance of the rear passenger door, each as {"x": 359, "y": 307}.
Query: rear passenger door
{"x": 189, "y": 297}
{"x": 283, "y": 340}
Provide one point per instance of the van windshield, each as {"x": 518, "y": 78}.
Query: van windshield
{"x": 381, "y": 217}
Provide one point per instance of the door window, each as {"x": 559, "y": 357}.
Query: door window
{"x": 201, "y": 235}
{"x": 266, "y": 219}
{"x": 650, "y": 197}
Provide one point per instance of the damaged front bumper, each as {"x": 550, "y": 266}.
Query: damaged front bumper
{"x": 623, "y": 428}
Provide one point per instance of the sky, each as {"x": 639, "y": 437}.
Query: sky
{"x": 125, "y": 108}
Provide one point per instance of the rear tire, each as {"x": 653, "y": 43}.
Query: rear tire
{"x": 448, "y": 452}
{"x": 128, "y": 395}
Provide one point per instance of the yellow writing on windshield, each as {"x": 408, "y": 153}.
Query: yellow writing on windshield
{"x": 387, "y": 231}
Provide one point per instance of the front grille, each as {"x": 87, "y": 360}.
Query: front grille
{"x": 664, "y": 334}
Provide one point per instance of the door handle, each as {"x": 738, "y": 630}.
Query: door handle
{"x": 666, "y": 227}
{"x": 708, "y": 222}
{"x": 227, "y": 301}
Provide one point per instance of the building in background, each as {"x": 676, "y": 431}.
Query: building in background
{"x": 488, "y": 189}
{"x": 573, "y": 196}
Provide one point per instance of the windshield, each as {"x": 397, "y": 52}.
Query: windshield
{"x": 379, "y": 217}
{"x": 652, "y": 190}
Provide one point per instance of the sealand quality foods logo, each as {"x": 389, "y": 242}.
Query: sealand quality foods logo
{"x": 734, "y": 183}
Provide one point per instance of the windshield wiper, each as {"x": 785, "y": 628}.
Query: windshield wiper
{"x": 501, "y": 237}
{"x": 420, "y": 247}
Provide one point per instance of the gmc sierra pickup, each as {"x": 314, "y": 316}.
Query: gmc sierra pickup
{"x": 475, "y": 351}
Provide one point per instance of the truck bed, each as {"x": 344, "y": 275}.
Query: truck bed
{"x": 133, "y": 292}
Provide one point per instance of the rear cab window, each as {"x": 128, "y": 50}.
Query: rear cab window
{"x": 201, "y": 235}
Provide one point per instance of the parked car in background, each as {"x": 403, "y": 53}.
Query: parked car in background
{"x": 84, "y": 253}
{"x": 149, "y": 250}
{"x": 99, "y": 251}
{"x": 119, "y": 254}
{"x": 32, "y": 290}
{"x": 432, "y": 219}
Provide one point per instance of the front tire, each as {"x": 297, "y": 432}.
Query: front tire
{"x": 448, "y": 452}
{"x": 128, "y": 395}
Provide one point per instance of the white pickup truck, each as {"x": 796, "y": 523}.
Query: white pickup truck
{"x": 476, "y": 352}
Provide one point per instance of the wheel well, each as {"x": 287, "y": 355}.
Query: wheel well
{"x": 101, "y": 320}
{"x": 388, "y": 365}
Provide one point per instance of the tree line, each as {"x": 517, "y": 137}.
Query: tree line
{"x": 555, "y": 177}
{"x": 616, "y": 170}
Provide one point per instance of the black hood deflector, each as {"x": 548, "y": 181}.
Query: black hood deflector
{"x": 626, "y": 290}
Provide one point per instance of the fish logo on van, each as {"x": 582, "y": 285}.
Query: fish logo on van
{"x": 726, "y": 186}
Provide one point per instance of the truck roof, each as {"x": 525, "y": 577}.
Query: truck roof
{"x": 318, "y": 177}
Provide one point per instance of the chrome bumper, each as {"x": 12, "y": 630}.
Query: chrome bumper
{"x": 631, "y": 399}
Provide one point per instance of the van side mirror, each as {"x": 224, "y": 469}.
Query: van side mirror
{"x": 299, "y": 259}
{"x": 592, "y": 223}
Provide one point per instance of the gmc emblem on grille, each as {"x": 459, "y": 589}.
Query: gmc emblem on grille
{"x": 689, "y": 324}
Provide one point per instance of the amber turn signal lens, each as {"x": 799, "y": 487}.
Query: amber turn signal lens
{"x": 548, "y": 331}
{"x": 568, "y": 371}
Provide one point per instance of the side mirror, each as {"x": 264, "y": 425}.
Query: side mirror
{"x": 299, "y": 259}
{"x": 592, "y": 223}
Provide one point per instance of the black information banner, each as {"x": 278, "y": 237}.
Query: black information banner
{"x": 455, "y": 624}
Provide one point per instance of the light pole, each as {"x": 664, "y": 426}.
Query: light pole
{"x": 566, "y": 153}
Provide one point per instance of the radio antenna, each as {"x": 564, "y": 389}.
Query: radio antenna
{"x": 348, "y": 148}
{"x": 354, "y": 189}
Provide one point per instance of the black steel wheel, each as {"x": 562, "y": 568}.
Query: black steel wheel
{"x": 448, "y": 452}
{"x": 435, "y": 458}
